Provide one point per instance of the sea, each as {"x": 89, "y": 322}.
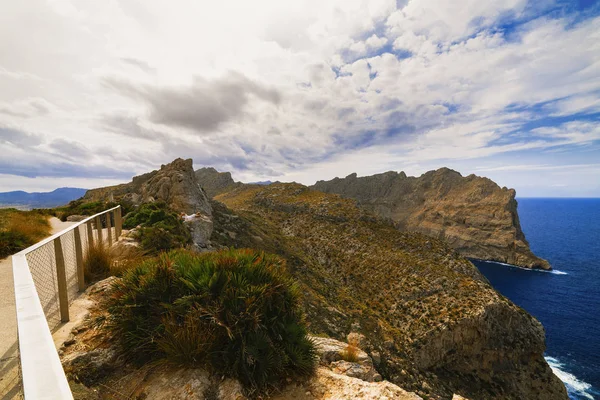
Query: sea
{"x": 566, "y": 300}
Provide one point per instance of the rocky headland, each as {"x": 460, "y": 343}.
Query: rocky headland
{"x": 472, "y": 214}
{"x": 428, "y": 323}
{"x": 426, "y": 312}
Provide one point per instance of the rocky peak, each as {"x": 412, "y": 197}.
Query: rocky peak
{"x": 215, "y": 182}
{"x": 176, "y": 185}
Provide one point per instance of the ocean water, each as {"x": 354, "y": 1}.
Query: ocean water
{"x": 566, "y": 300}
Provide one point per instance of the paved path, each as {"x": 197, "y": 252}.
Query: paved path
{"x": 9, "y": 378}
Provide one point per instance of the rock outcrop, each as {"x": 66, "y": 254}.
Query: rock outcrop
{"x": 473, "y": 214}
{"x": 214, "y": 182}
{"x": 432, "y": 324}
{"x": 174, "y": 184}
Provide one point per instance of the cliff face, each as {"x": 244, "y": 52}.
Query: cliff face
{"x": 473, "y": 214}
{"x": 174, "y": 184}
{"x": 214, "y": 182}
{"x": 428, "y": 315}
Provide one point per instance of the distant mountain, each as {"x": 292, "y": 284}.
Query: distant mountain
{"x": 264, "y": 183}
{"x": 55, "y": 198}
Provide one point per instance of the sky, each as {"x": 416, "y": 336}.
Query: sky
{"x": 95, "y": 92}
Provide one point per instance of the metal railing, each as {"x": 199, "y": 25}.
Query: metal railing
{"x": 47, "y": 278}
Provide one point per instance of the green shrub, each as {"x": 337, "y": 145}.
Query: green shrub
{"x": 161, "y": 228}
{"x": 234, "y": 312}
{"x": 81, "y": 207}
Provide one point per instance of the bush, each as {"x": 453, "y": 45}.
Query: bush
{"x": 234, "y": 312}
{"x": 161, "y": 228}
{"x": 81, "y": 207}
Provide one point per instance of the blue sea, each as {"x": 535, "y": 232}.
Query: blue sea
{"x": 566, "y": 300}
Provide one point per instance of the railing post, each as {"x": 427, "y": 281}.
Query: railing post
{"x": 90, "y": 234}
{"x": 118, "y": 223}
{"x": 79, "y": 259}
{"x": 108, "y": 228}
{"x": 99, "y": 229}
{"x": 61, "y": 277}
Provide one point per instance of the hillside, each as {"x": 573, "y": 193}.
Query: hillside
{"x": 431, "y": 321}
{"x": 51, "y": 199}
{"x": 473, "y": 214}
{"x": 427, "y": 313}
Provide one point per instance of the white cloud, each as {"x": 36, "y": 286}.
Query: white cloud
{"x": 460, "y": 87}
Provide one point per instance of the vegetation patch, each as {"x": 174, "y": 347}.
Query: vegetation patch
{"x": 21, "y": 229}
{"x": 84, "y": 207}
{"x": 234, "y": 312}
{"x": 161, "y": 229}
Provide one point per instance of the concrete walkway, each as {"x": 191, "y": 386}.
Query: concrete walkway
{"x": 9, "y": 372}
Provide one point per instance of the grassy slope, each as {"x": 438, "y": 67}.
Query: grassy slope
{"x": 21, "y": 229}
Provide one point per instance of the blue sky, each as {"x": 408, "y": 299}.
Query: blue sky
{"x": 94, "y": 93}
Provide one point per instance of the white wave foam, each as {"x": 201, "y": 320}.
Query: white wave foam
{"x": 557, "y": 272}
{"x": 574, "y": 385}
{"x": 552, "y": 271}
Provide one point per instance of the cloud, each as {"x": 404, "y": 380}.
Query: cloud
{"x": 28, "y": 108}
{"x": 129, "y": 125}
{"x": 340, "y": 85}
{"x": 61, "y": 169}
{"x": 19, "y": 138}
{"x": 144, "y": 66}
{"x": 69, "y": 149}
{"x": 203, "y": 106}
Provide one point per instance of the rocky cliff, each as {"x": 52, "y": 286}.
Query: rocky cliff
{"x": 473, "y": 214}
{"x": 214, "y": 182}
{"x": 432, "y": 322}
{"x": 176, "y": 185}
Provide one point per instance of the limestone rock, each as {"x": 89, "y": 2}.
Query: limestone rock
{"x": 90, "y": 367}
{"x": 328, "y": 385}
{"x": 332, "y": 353}
{"x": 215, "y": 182}
{"x": 176, "y": 185}
{"x": 357, "y": 339}
{"x": 473, "y": 214}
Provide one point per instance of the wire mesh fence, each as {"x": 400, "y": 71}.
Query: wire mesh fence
{"x": 48, "y": 276}
{"x": 42, "y": 265}
{"x": 42, "y": 262}
{"x": 68, "y": 248}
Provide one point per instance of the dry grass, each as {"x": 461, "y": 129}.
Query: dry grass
{"x": 124, "y": 258}
{"x": 21, "y": 229}
{"x": 97, "y": 263}
{"x": 350, "y": 354}
{"x": 101, "y": 262}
